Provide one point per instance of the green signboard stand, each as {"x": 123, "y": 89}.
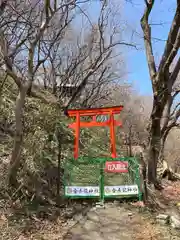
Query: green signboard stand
{"x": 100, "y": 178}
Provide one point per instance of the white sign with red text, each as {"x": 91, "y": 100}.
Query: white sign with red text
{"x": 116, "y": 167}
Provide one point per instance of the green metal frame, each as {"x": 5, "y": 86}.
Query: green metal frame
{"x": 100, "y": 162}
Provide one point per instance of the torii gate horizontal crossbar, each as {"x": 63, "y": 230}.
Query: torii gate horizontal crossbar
{"x": 94, "y": 111}
{"x": 96, "y": 124}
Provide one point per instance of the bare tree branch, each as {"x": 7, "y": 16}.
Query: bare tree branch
{"x": 175, "y": 72}
{"x": 2, "y": 6}
{"x": 147, "y": 38}
{"x": 172, "y": 42}
{"x": 175, "y": 110}
{"x": 93, "y": 68}
{"x": 2, "y": 84}
{"x": 174, "y": 51}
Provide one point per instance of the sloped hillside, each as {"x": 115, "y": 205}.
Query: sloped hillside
{"x": 40, "y": 151}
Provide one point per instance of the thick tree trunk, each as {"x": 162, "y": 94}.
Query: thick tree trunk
{"x": 154, "y": 143}
{"x": 18, "y": 138}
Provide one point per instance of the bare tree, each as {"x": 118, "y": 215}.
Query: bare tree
{"x": 32, "y": 36}
{"x": 22, "y": 38}
{"x": 89, "y": 62}
{"x": 163, "y": 80}
{"x": 134, "y": 117}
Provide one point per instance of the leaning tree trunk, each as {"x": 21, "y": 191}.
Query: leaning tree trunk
{"x": 18, "y": 138}
{"x": 166, "y": 170}
{"x": 162, "y": 145}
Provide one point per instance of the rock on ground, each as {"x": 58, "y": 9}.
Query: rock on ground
{"x": 115, "y": 223}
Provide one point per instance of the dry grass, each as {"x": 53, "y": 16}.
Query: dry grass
{"x": 33, "y": 228}
{"x": 148, "y": 231}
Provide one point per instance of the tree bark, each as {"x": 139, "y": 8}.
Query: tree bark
{"x": 18, "y": 138}
{"x": 162, "y": 83}
{"x": 59, "y": 168}
{"x": 154, "y": 143}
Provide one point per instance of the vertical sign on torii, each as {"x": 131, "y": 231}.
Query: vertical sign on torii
{"x": 94, "y": 112}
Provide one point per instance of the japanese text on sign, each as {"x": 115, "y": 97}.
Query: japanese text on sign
{"x": 116, "y": 167}
{"x": 121, "y": 190}
{"x": 81, "y": 191}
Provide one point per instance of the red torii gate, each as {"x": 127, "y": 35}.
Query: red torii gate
{"x": 94, "y": 112}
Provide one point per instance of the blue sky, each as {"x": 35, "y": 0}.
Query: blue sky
{"x": 161, "y": 17}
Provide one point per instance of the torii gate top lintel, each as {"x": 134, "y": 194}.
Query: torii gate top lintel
{"x": 94, "y": 112}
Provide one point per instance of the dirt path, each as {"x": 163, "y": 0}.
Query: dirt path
{"x": 117, "y": 223}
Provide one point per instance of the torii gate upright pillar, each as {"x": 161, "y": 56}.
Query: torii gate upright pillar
{"x": 94, "y": 112}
